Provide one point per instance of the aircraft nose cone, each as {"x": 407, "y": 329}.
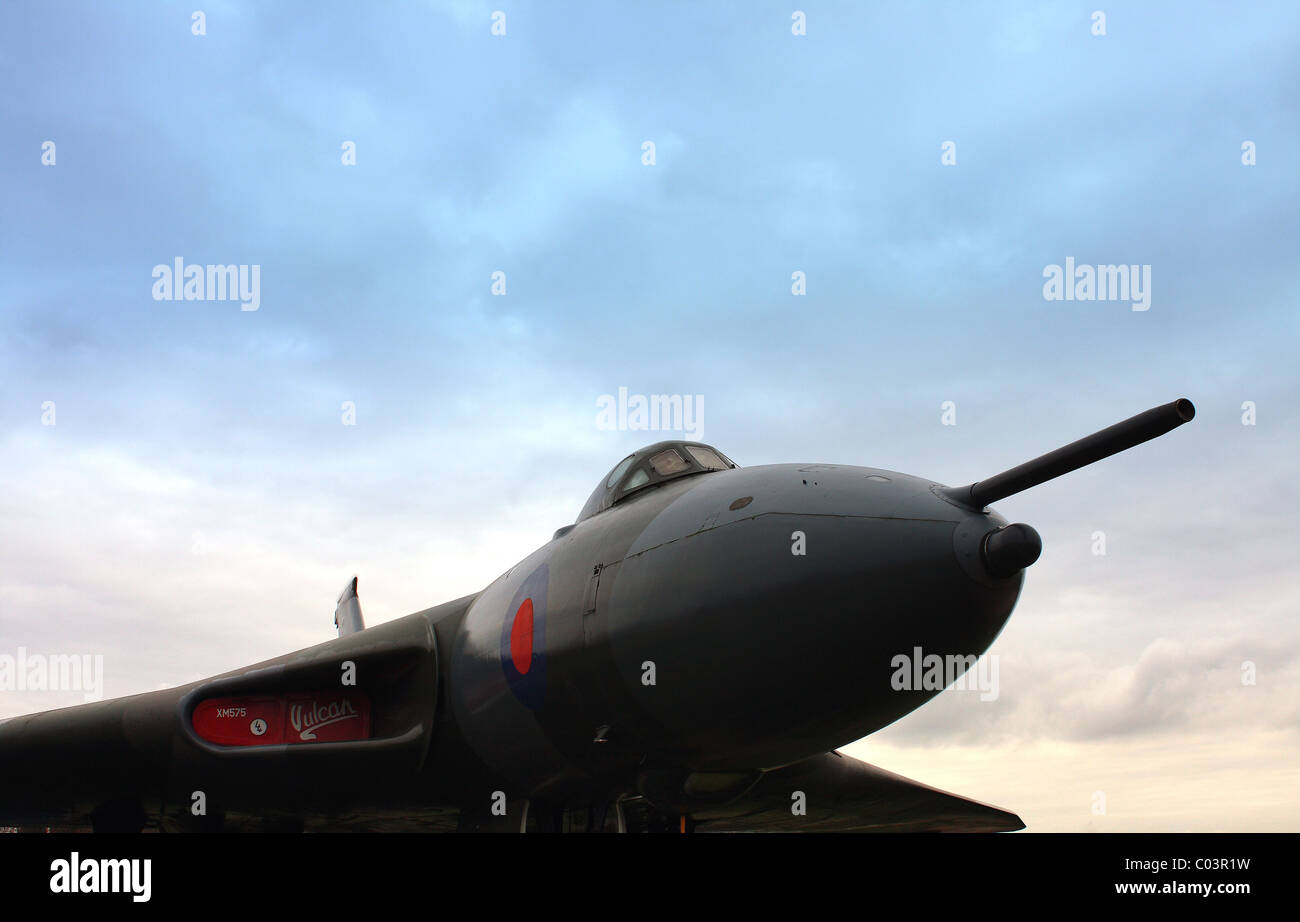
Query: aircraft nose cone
{"x": 1011, "y": 548}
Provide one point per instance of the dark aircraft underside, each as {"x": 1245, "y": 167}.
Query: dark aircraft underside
{"x": 842, "y": 794}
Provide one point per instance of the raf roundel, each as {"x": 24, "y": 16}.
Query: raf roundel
{"x": 523, "y": 639}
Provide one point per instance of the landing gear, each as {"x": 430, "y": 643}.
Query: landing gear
{"x": 642, "y": 817}
{"x": 621, "y": 814}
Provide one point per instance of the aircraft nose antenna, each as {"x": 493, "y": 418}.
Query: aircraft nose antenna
{"x": 1010, "y": 548}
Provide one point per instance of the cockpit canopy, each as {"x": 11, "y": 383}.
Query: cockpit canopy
{"x": 650, "y": 467}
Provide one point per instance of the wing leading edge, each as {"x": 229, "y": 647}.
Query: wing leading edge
{"x": 844, "y": 794}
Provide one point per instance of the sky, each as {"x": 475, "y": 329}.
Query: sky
{"x": 191, "y": 484}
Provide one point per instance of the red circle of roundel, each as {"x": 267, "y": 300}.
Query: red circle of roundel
{"x": 521, "y": 638}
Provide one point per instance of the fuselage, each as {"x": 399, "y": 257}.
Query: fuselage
{"x": 732, "y": 621}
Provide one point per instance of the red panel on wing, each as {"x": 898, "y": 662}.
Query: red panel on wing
{"x": 246, "y": 721}
{"x": 300, "y": 717}
{"x": 327, "y": 717}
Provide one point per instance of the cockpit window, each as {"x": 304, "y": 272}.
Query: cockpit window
{"x": 668, "y": 462}
{"x": 640, "y": 472}
{"x": 619, "y": 471}
{"x": 636, "y": 480}
{"x": 707, "y": 458}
